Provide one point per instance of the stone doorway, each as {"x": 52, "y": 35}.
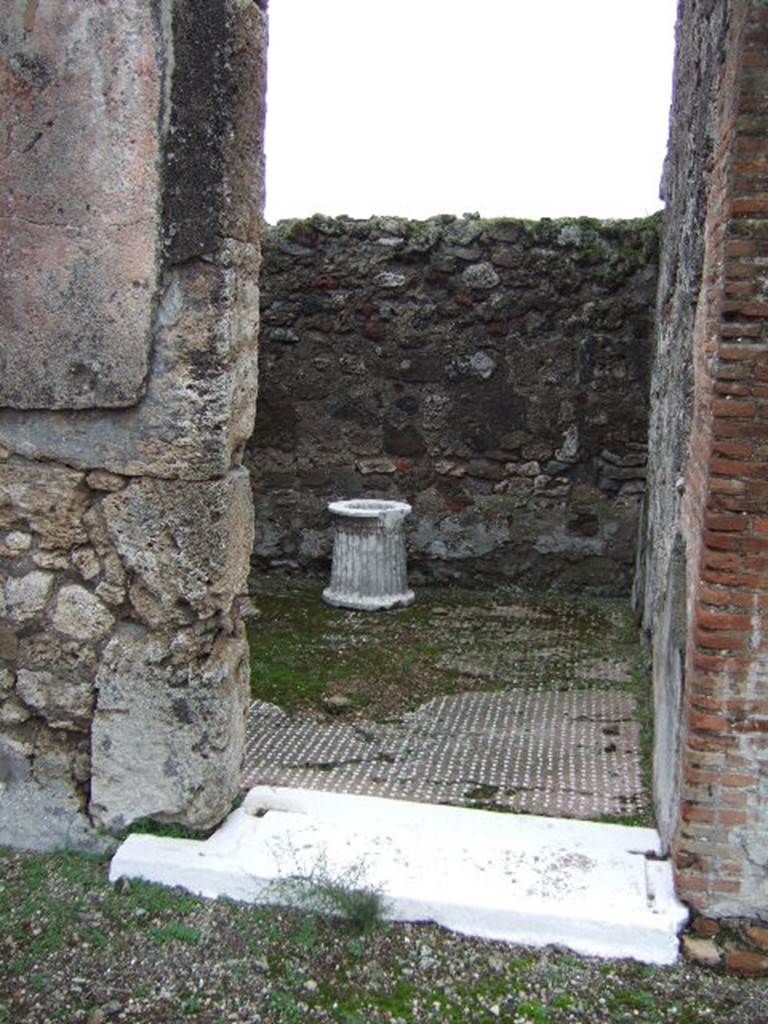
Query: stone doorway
{"x": 119, "y": 464}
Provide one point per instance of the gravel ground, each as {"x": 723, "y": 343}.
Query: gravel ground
{"x": 76, "y": 949}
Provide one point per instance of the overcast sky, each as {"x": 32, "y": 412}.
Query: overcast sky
{"x": 524, "y": 108}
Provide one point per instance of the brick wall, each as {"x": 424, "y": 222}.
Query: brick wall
{"x": 721, "y": 846}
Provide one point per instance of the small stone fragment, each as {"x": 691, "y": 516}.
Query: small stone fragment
{"x": 701, "y": 951}
{"x": 9, "y": 643}
{"x": 746, "y": 963}
{"x": 446, "y": 467}
{"x": 111, "y": 593}
{"x": 758, "y": 935}
{"x": 13, "y": 712}
{"x": 6, "y": 681}
{"x": 389, "y": 280}
{"x": 101, "y": 480}
{"x": 54, "y": 560}
{"x": 368, "y": 466}
{"x": 85, "y": 561}
{"x": 17, "y": 541}
{"x": 64, "y": 701}
{"x": 705, "y": 926}
{"x": 337, "y": 704}
{"x": 26, "y": 596}
{"x": 480, "y": 275}
{"x": 81, "y": 614}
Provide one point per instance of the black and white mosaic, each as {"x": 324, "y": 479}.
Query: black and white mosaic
{"x": 571, "y": 753}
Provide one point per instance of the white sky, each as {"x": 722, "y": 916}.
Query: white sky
{"x": 520, "y": 108}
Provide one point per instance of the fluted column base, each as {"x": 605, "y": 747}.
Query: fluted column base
{"x": 368, "y": 571}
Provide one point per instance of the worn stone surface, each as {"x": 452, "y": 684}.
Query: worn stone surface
{"x": 186, "y": 545}
{"x": 6, "y": 681}
{"x": 200, "y": 397}
{"x": 41, "y": 816}
{"x": 78, "y": 209}
{"x": 497, "y": 384}
{"x": 167, "y": 736}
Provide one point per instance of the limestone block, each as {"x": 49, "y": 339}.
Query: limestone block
{"x": 50, "y": 497}
{"x": 27, "y": 596}
{"x": 187, "y": 545}
{"x": 40, "y": 817}
{"x": 196, "y": 403}
{"x": 167, "y": 740}
{"x": 65, "y": 701}
{"x": 200, "y": 399}
{"x": 81, "y": 614}
{"x": 83, "y": 95}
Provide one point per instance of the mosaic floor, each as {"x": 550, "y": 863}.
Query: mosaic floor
{"x": 552, "y": 730}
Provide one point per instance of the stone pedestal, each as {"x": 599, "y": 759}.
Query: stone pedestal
{"x": 368, "y": 570}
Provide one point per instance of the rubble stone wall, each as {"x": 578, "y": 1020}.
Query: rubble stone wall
{"x": 130, "y": 220}
{"x": 492, "y": 373}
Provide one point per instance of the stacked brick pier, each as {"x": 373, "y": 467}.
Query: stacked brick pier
{"x": 712, "y": 778}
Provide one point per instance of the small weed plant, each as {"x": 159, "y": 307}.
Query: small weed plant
{"x": 344, "y": 893}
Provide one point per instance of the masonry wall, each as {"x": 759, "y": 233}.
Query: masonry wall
{"x": 492, "y": 373}
{"x": 130, "y": 215}
{"x": 707, "y": 581}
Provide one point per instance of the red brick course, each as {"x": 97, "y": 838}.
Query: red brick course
{"x": 726, "y": 498}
